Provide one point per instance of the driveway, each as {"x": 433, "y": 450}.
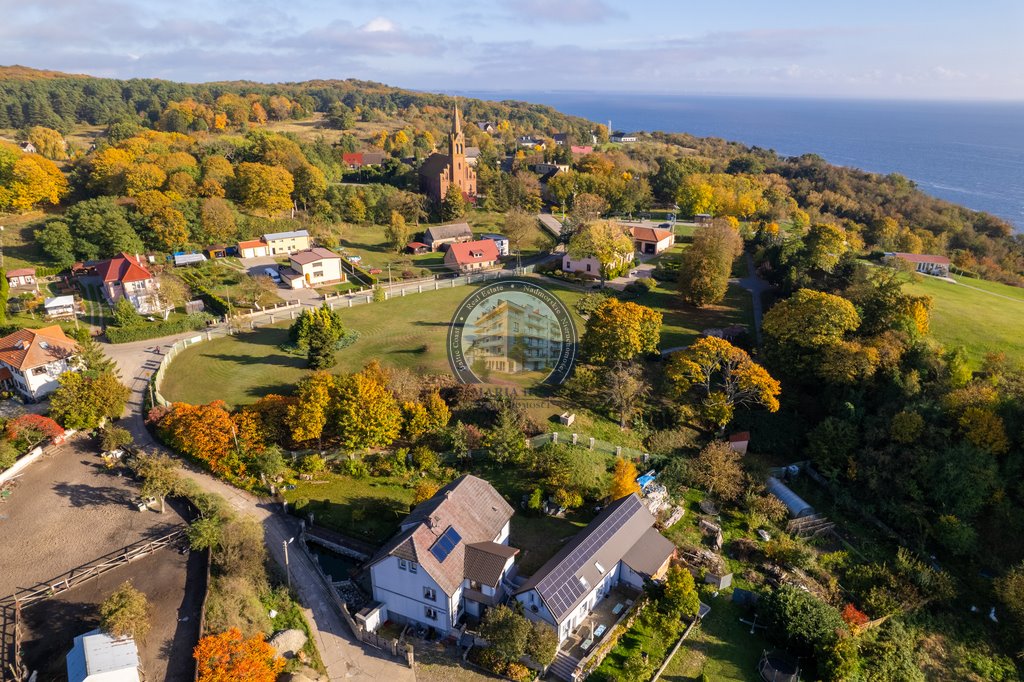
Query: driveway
{"x": 643, "y": 271}
{"x": 753, "y": 283}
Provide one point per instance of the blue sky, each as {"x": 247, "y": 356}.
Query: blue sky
{"x": 941, "y": 49}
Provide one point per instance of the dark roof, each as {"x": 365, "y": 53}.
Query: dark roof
{"x": 452, "y": 231}
{"x": 604, "y": 542}
{"x": 468, "y": 504}
{"x": 435, "y": 164}
{"x": 485, "y": 561}
{"x": 650, "y": 553}
{"x": 312, "y": 255}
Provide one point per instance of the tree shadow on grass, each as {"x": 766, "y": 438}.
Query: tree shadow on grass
{"x": 366, "y": 518}
{"x": 280, "y": 360}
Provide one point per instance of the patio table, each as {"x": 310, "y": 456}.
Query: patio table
{"x": 600, "y": 631}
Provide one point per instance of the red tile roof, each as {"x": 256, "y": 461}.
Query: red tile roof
{"x": 922, "y": 258}
{"x": 739, "y": 437}
{"x": 28, "y": 348}
{"x": 353, "y": 158}
{"x": 251, "y": 244}
{"x": 481, "y": 251}
{"x": 21, "y": 272}
{"x": 123, "y": 268}
{"x": 650, "y": 234}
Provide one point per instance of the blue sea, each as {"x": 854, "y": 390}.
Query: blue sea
{"x": 968, "y": 153}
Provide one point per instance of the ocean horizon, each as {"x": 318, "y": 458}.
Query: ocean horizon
{"x": 969, "y": 153}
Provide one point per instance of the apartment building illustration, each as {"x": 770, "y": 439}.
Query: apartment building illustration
{"x": 513, "y": 337}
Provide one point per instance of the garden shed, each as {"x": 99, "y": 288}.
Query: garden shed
{"x": 797, "y": 507}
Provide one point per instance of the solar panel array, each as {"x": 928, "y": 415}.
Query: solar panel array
{"x": 560, "y": 588}
{"x": 445, "y": 544}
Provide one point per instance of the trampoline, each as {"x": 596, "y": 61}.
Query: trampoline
{"x": 775, "y": 666}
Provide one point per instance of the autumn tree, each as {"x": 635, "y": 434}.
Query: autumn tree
{"x": 623, "y": 482}
{"x": 618, "y": 331}
{"x": 160, "y": 476}
{"x": 605, "y": 241}
{"x": 310, "y": 186}
{"x": 204, "y": 432}
{"x": 424, "y": 490}
{"x": 586, "y": 209}
{"x": 438, "y": 413}
{"x": 624, "y": 390}
{"x": 798, "y": 329}
{"x": 718, "y": 471}
{"x": 83, "y": 401}
{"x": 453, "y": 206}
{"x": 542, "y": 643}
{"x": 171, "y": 293}
{"x": 507, "y": 632}
{"x": 28, "y": 180}
{"x": 707, "y": 264}
{"x": 48, "y": 142}
{"x": 517, "y": 226}
{"x": 397, "y": 232}
{"x": 722, "y": 377}
{"x": 309, "y": 414}
{"x": 229, "y": 657}
{"x": 217, "y": 219}
{"x": 126, "y": 613}
{"x": 262, "y": 188}
{"x": 368, "y": 414}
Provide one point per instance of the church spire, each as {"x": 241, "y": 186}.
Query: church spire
{"x": 456, "y": 140}
{"x": 456, "y": 121}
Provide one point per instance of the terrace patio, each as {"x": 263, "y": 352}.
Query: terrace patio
{"x": 607, "y": 612}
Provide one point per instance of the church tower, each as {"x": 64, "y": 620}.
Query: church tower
{"x": 457, "y": 144}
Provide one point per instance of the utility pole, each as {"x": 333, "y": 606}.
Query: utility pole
{"x": 1, "y": 246}
{"x": 287, "y": 566}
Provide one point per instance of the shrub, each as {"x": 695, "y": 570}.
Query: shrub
{"x": 152, "y": 330}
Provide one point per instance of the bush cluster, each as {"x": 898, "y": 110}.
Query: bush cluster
{"x": 152, "y": 330}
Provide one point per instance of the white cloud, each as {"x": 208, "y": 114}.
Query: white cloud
{"x": 378, "y": 25}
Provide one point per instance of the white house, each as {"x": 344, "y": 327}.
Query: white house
{"x": 32, "y": 359}
{"x": 253, "y": 248}
{"x": 99, "y": 657}
{"x": 286, "y": 242}
{"x": 313, "y": 268}
{"x": 501, "y": 241}
{"x": 450, "y": 558}
{"x": 620, "y": 546}
{"x": 125, "y": 276}
{"x": 619, "y": 136}
{"x": 591, "y": 265}
{"x": 60, "y": 306}
{"x": 652, "y": 240}
{"x": 937, "y": 266}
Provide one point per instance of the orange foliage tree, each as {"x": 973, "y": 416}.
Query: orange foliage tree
{"x": 205, "y": 432}
{"x": 229, "y": 657}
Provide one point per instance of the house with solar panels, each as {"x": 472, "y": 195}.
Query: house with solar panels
{"x": 450, "y": 559}
{"x": 621, "y": 547}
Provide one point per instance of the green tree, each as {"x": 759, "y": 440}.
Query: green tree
{"x": 798, "y": 329}
{"x": 126, "y": 613}
{"x": 505, "y": 440}
{"x": 92, "y": 361}
{"x": 607, "y": 242}
{"x": 54, "y": 238}
{"x": 397, "y": 232}
{"x": 680, "y": 599}
{"x": 318, "y": 331}
{"x": 542, "y": 643}
{"x": 113, "y": 437}
{"x": 453, "y": 206}
{"x": 506, "y": 632}
{"x": 706, "y": 266}
{"x": 807, "y": 625}
{"x": 125, "y": 314}
{"x": 517, "y": 226}
{"x": 84, "y": 402}
{"x": 160, "y": 476}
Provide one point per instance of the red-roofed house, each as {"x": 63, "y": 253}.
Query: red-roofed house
{"x": 652, "y": 240}
{"x": 352, "y": 159}
{"x": 253, "y": 248}
{"x": 124, "y": 276}
{"x": 22, "y": 277}
{"x": 924, "y": 263}
{"x": 581, "y": 150}
{"x": 32, "y": 359}
{"x": 472, "y": 256}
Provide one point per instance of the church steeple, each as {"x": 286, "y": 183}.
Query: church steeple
{"x": 456, "y": 140}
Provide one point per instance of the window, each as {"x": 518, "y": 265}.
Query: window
{"x": 430, "y": 594}
{"x": 430, "y": 613}
{"x": 588, "y": 267}
{"x": 413, "y": 567}
{"x": 403, "y": 564}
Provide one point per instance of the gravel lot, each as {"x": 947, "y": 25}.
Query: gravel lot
{"x": 50, "y": 626}
{"x": 65, "y": 512}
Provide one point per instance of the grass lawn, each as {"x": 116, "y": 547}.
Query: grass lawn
{"x": 683, "y": 323}
{"x": 18, "y": 239}
{"x": 409, "y": 331}
{"x": 983, "y": 317}
{"x": 720, "y": 647}
{"x": 227, "y": 279}
{"x": 365, "y": 508}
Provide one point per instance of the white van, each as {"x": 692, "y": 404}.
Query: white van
{"x": 272, "y": 274}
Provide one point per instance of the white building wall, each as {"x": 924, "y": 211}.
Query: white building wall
{"x": 402, "y": 592}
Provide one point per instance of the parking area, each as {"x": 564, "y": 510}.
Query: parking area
{"x": 65, "y": 511}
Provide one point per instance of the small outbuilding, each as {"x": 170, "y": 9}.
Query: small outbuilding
{"x": 794, "y": 503}
{"x": 183, "y": 259}
{"x": 417, "y": 248}
{"x": 60, "y": 306}
{"x": 739, "y": 442}
{"x": 99, "y": 657}
{"x": 21, "y": 277}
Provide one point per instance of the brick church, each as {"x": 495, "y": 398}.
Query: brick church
{"x": 440, "y": 171}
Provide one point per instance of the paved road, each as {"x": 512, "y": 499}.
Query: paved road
{"x": 756, "y": 286}
{"x": 345, "y": 658}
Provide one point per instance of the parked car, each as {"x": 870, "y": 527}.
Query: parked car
{"x": 272, "y": 274}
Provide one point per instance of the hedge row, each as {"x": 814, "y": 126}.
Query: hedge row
{"x": 360, "y": 273}
{"x": 153, "y": 330}
{"x": 214, "y": 303}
